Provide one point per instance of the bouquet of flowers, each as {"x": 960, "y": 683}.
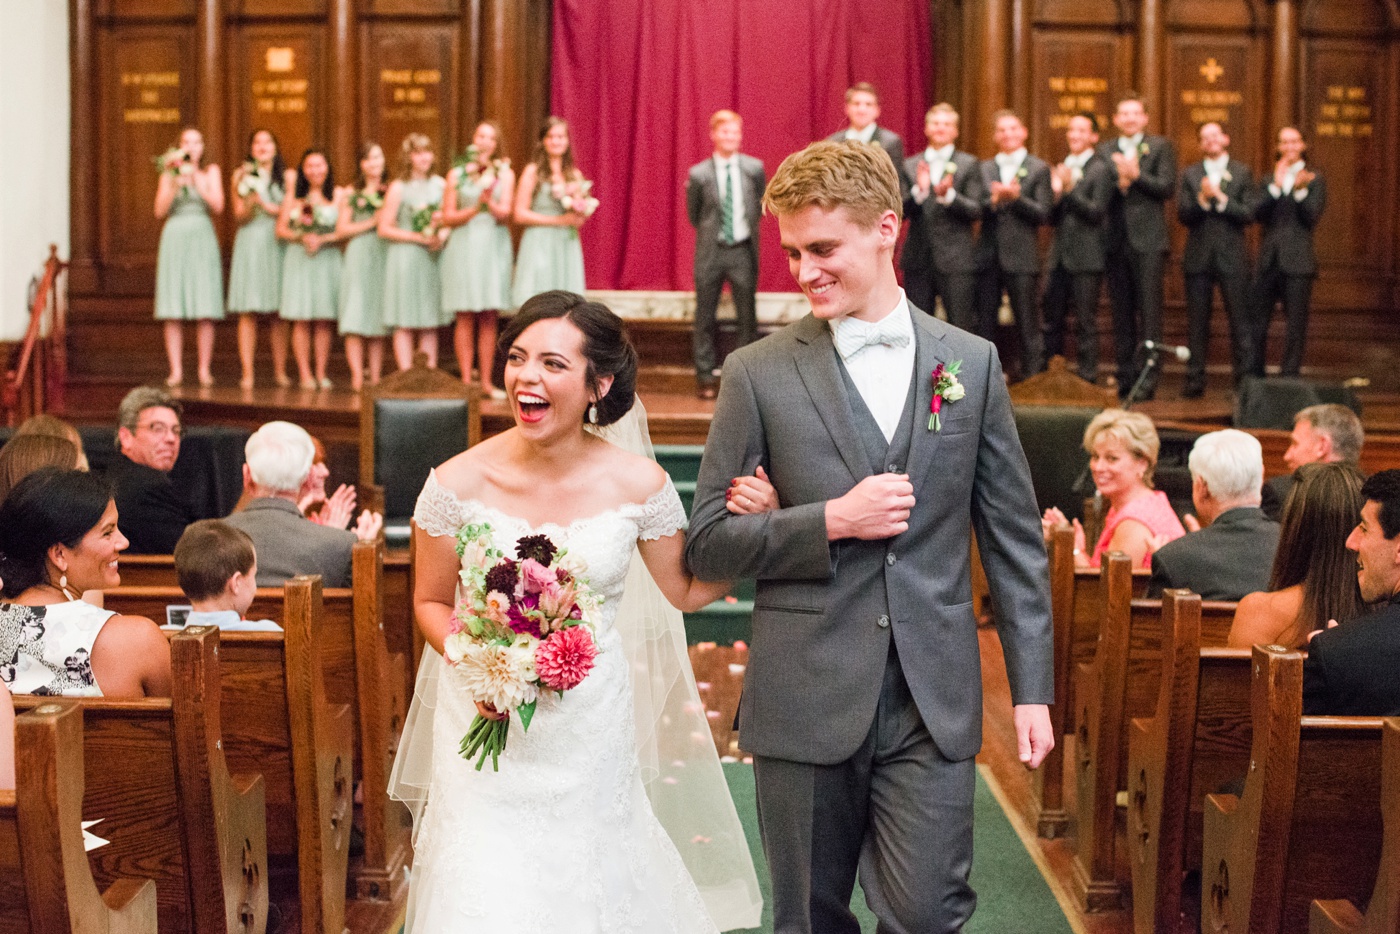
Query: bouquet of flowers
{"x": 366, "y": 200}
{"x": 310, "y": 220}
{"x": 251, "y": 180}
{"x": 174, "y": 161}
{"x": 523, "y": 626}
{"x": 578, "y": 196}
{"x": 421, "y": 221}
{"x": 472, "y": 170}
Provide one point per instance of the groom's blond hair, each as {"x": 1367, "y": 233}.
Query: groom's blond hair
{"x": 849, "y": 174}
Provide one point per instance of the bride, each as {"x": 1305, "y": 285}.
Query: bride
{"x": 611, "y": 813}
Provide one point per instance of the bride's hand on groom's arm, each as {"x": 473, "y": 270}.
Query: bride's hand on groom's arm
{"x": 748, "y": 496}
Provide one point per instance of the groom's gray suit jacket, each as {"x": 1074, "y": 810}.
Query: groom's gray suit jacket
{"x": 825, "y": 612}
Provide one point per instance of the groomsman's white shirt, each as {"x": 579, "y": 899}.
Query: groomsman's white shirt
{"x": 1008, "y": 163}
{"x": 730, "y": 166}
{"x": 1290, "y": 176}
{"x": 937, "y": 160}
{"x": 864, "y": 136}
{"x": 1215, "y": 169}
{"x": 875, "y": 368}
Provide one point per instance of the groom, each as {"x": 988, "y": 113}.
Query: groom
{"x": 862, "y": 702}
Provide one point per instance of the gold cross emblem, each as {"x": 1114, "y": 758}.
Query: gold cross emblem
{"x": 1211, "y": 71}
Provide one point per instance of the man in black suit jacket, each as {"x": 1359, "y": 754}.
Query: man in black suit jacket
{"x": 1082, "y": 186}
{"x": 946, "y": 202}
{"x": 1017, "y": 201}
{"x": 151, "y": 514}
{"x": 1215, "y": 203}
{"x": 1350, "y": 668}
{"x": 1135, "y": 236}
{"x": 724, "y": 201}
{"x": 1322, "y": 434}
{"x": 1233, "y": 551}
{"x": 1289, "y": 207}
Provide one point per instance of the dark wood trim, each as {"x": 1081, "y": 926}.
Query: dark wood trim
{"x": 1283, "y": 84}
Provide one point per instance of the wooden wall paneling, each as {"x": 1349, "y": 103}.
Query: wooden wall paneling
{"x": 211, "y": 70}
{"x": 278, "y": 9}
{"x": 407, "y": 86}
{"x": 84, "y": 132}
{"x": 949, "y": 36}
{"x": 992, "y": 78}
{"x": 1369, "y": 18}
{"x": 145, "y": 10}
{"x": 469, "y": 77}
{"x": 1073, "y": 70}
{"x": 1085, "y": 12}
{"x": 1212, "y": 77}
{"x": 515, "y": 71}
{"x": 343, "y": 71}
{"x": 1020, "y": 57}
{"x": 280, "y": 84}
{"x": 412, "y": 8}
{"x": 1148, "y": 73}
{"x": 1283, "y": 69}
{"x": 147, "y": 94}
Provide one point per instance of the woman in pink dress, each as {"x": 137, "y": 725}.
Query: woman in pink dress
{"x": 1123, "y": 450}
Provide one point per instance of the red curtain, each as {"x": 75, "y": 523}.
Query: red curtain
{"x": 638, "y": 79}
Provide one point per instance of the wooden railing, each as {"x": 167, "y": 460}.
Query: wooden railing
{"x": 38, "y": 379}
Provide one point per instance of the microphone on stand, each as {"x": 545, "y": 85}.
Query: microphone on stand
{"x": 1182, "y": 354}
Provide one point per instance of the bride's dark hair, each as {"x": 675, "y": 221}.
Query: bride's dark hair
{"x": 606, "y": 347}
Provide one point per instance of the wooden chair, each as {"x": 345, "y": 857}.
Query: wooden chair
{"x": 1121, "y": 682}
{"x": 156, "y": 773}
{"x": 1058, "y": 385}
{"x": 1196, "y": 741}
{"x": 46, "y": 884}
{"x": 409, "y": 423}
{"x": 1308, "y": 825}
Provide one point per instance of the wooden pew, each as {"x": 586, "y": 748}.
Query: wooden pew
{"x": 1309, "y": 823}
{"x": 1382, "y": 915}
{"x": 157, "y": 775}
{"x": 1119, "y": 683}
{"x": 1196, "y": 741}
{"x": 46, "y": 884}
{"x": 364, "y": 665}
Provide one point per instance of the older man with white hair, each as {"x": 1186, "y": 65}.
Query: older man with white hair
{"x": 1233, "y": 551}
{"x": 276, "y": 472}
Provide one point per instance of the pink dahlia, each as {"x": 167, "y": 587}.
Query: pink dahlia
{"x": 564, "y": 659}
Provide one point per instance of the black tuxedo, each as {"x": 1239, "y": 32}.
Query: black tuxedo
{"x": 948, "y": 236}
{"x": 1215, "y": 256}
{"x": 1275, "y": 494}
{"x": 150, "y": 513}
{"x": 1075, "y": 267}
{"x": 1225, "y": 560}
{"x": 1009, "y": 254}
{"x": 717, "y": 262}
{"x": 1350, "y": 669}
{"x": 1136, "y": 242}
{"x": 1286, "y": 268}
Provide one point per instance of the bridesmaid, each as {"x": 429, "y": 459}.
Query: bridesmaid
{"x": 189, "y": 272}
{"x": 476, "y": 263}
{"x": 550, "y": 254}
{"x": 311, "y": 271}
{"x": 411, "y": 220}
{"x": 255, "y": 274}
{"x": 362, "y": 279}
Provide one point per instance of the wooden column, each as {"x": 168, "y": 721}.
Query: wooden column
{"x": 211, "y": 104}
{"x": 83, "y": 170}
{"x": 1149, "y": 60}
{"x": 992, "y": 78}
{"x": 344, "y": 70}
{"x": 1283, "y": 83}
{"x": 469, "y": 102}
{"x": 1021, "y": 58}
{"x": 503, "y": 75}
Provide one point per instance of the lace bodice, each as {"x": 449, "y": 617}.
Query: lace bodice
{"x": 604, "y": 540}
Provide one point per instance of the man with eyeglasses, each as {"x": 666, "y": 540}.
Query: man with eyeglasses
{"x": 150, "y": 513}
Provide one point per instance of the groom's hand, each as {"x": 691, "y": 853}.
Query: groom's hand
{"x": 1034, "y": 735}
{"x": 875, "y": 508}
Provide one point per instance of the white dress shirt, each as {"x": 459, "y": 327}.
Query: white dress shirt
{"x": 736, "y": 179}
{"x": 864, "y": 136}
{"x": 1076, "y": 163}
{"x": 1128, "y": 145}
{"x": 938, "y": 160}
{"x": 1008, "y": 163}
{"x": 1216, "y": 170}
{"x": 882, "y": 372}
{"x": 1290, "y": 176}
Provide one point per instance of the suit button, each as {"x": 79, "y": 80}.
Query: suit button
{"x": 883, "y": 622}
{"x": 892, "y": 468}
{"x": 890, "y": 559}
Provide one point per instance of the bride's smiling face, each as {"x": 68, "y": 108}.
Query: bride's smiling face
{"x": 546, "y": 378}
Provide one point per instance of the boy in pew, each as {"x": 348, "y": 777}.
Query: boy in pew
{"x": 217, "y": 567}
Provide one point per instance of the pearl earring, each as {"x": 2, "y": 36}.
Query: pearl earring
{"x": 63, "y": 582}
{"x": 593, "y": 414}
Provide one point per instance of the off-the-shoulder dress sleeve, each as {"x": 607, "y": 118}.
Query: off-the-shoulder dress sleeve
{"x": 661, "y": 515}
{"x": 438, "y": 511}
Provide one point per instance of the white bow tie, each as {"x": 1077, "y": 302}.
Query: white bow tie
{"x": 855, "y": 335}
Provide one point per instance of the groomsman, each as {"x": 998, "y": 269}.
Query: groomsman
{"x": 1215, "y": 204}
{"x": 946, "y": 202}
{"x": 723, "y": 199}
{"x": 862, "y": 110}
{"x": 1082, "y": 185}
{"x": 1017, "y": 201}
{"x": 1289, "y": 208}
{"x": 1136, "y": 235}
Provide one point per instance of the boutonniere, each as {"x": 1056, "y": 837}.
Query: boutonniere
{"x": 1226, "y": 177}
{"x": 946, "y": 388}
{"x": 1021, "y": 172}
{"x": 1142, "y": 148}
{"x": 949, "y": 168}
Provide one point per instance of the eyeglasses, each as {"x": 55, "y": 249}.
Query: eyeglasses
{"x": 161, "y": 429}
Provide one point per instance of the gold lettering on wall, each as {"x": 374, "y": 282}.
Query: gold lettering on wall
{"x": 1072, "y": 94}
{"x": 1210, "y": 89}
{"x": 410, "y": 94}
{"x": 151, "y": 96}
{"x": 1345, "y": 113}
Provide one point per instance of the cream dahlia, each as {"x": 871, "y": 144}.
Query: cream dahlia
{"x": 499, "y": 675}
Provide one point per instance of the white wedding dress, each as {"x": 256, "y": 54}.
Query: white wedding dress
{"x": 564, "y": 838}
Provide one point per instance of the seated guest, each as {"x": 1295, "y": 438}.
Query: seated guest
{"x": 1123, "y": 450}
{"x": 1322, "y": 434}
{"x": 277, "y": 472}
{"x": 1350, "y": 669}
{"x": 58, "y": 538}
{"x": 218, "y": 571}
{"x": 335, "y": 509}
{"x": 1314, "y": 575}
{"x": 24, "y": 454}
{"x": 52, "y": 427}
{"x": 1231, "y": 554}
{"x": 148, "y": 439}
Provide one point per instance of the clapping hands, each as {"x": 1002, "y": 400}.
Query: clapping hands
{"x": 1052, "y": 519}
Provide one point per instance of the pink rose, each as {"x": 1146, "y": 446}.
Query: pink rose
{"x": 534, "y": 577}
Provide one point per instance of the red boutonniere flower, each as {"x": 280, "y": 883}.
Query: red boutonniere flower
{"x": 946, "y": 388}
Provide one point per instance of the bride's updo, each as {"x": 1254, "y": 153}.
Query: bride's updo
{"x": 606, "y": 347}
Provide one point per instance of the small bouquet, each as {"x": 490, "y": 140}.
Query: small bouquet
{"x": 309, "y": 220}
{"x": 366, "y": 200}
{"x": 421, "y": 221}
{"x": 523, "y": 626}
{"x": 174, "y": 161}
{"x": 251, "y": 180}
{"x": 472, "y": 170}
{"x": 578, "y": 197}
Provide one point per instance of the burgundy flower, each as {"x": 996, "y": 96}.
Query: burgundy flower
{"x": 503, "y": 577}
{"x": 538, "y": 547}
{"x": 521, "y": 623}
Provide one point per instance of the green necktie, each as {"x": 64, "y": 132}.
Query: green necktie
{"x": 726, "y": 233}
